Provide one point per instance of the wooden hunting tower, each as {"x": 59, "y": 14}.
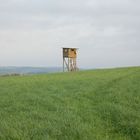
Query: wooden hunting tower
{"x": 69, "y": 59}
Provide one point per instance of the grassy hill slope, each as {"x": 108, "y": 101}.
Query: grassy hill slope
{"x": 88, "y": 105}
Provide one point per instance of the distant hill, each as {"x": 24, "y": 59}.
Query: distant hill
{"x": 28, "y": 70}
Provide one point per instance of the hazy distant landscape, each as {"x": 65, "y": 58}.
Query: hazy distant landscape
{"x": 28, "y": 70}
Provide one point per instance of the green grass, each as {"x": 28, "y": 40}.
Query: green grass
{"x": 88, "y": 105}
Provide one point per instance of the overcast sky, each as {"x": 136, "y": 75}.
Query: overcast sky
{"x": 33, "y": 32}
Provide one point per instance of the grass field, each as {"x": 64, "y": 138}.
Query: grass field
{"x": 88, "y": 105}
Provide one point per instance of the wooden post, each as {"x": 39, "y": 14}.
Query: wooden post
{"x": 63, "y": 65}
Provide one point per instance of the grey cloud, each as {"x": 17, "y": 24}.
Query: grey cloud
{"x": 107, "y": 31}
